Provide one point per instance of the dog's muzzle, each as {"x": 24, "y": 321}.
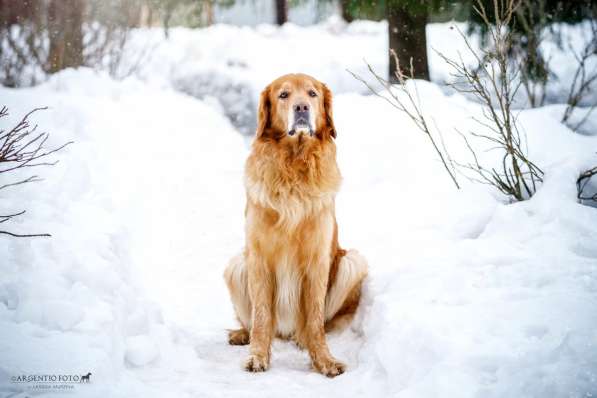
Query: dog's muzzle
{"x": 302, "y": 120}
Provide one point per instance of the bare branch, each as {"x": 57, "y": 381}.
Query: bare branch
{"x": 583, "y": 179}
{"x": 22, "y": 148}
{"x": 410, "y": 105}
{"x": 583, "y": 79}
{"x": 24, "y": 235}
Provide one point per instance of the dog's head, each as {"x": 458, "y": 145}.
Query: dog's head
{"x": 294, "y": 106}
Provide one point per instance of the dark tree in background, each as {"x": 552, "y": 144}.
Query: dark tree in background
{"x": 65, "y": 21}
{"x": 533, "y": 19}
{"x": 407, "y": 20}
{"x": 167, "y": 8}
{"x": 281, "y": 11}
{"x": 346, "y": 11}
{"x": 363, "y": 9}
{"x": 14, "y": 12}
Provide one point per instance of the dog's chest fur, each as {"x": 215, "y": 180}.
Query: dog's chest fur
{"x": 289, "y": 269}
{"x": 288, "y": 296}
{"x": 290, "y": 222}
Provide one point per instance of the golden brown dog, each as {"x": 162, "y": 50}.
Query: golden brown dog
{"x": 293, "y": 280}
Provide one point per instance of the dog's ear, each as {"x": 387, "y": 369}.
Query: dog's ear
{"x": 327, "y": 108}
{"x": 264, "y": 112}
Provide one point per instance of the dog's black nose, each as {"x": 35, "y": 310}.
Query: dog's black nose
{"x": 301, "y": 111}
{"x": 301, "y": 107}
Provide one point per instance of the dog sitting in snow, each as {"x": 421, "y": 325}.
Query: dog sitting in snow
{"x": 293, "y": 280}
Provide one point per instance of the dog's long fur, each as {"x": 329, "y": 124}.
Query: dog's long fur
{"x": 293, "y": 280}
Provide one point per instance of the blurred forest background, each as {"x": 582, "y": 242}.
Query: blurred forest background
{"x": 41, "y": 37}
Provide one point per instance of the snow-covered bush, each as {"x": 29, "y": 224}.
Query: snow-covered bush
{"x": 24, "y": 50}
{"x": 234, "y": 97}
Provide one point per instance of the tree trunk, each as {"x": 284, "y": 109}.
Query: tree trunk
{"x": 16, "y": 12}
{"x": 345, "y": 8}
{"x": 65, "y": 20}
{"x": 281, "y": 12}
{"x": 209, "y": 12}
{"x": 407, "y": 38}
{"x": 166, "y": 21}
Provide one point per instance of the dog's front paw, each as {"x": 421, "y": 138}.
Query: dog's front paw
{"x": 257, "y": 363}
{"x": 329, "y": 367}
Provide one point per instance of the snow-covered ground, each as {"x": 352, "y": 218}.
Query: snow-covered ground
{"x": 468, "y": 296}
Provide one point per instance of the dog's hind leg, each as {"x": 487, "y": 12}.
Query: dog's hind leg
{"x": 238, "y": 337}
{"x": 342, "y": 299}
{"x": 235, "y": 276}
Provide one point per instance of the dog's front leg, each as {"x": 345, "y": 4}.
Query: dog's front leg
{"x": 261, "y": 291}
{"x": 312, "y": 332}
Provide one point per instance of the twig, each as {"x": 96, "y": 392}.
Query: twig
{"x": 493, "y": 83}
{"x": 582, "y": 182}
{"x": 411, "y": 107}
{"x": 583, "y": 79}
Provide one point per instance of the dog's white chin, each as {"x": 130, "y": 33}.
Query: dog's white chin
{"x": 302, "y": 129}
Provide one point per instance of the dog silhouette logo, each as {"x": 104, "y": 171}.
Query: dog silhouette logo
{"x": 85, "y": 378}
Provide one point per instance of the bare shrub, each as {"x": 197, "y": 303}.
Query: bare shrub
{"x": 533, "y": 22}
{"x": 44, "y": 38}
{"x": 405, "y": 98}
{"x": 232, "y": 93}
{"x": 581, "y": 185}
{"x": 494, "y": 83}
{"x": 190, "y": 13}
{"x": 22, "y": 148}
{"x": 107, "y": 34}
{"x": 24, "y": 44}
{"x": 584, "y": 76}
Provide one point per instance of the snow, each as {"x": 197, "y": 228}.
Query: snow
{"x": 467, "y": 296}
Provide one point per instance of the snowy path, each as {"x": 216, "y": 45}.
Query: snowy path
{"x": 467, "y": 296}
{"x": 187, "y": 221}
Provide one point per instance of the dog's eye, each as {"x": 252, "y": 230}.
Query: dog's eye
{"x": 312, "y": 93}
{"x": 284, "y": 94}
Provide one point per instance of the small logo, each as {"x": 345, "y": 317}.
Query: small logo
{"x": 51, "y": 382}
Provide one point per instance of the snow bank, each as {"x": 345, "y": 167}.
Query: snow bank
{"x": 72, "y": 303}
{"x": 468, "y": 296}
